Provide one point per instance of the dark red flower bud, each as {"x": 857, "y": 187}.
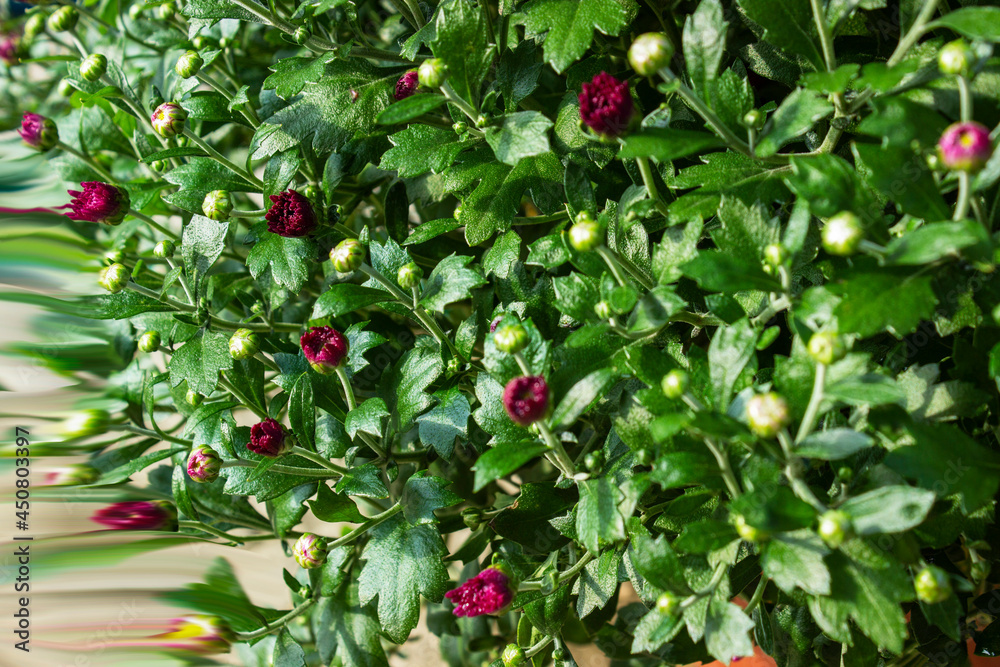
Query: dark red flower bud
{"x": 290, "y": 215}
{"x": 606, "y": 105}
{"x": 268, "y": 439}
{"x": 38, "y": 131}
{"x": 489, "y": 592}
{"x": 526, "y": 399}
{"x": 138, "y": 515}
{"x": 325, "y": 348}
{"x": 407, "y": 85}
{"x": 99, "y": 202}
{"x": 10, "y": 50}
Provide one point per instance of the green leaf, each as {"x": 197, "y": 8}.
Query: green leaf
{"x": 521, "y": 135}
{"x": 422, "y": 148}
{"x": 334, "y": 507}
{"x": 903, "y": 176}
{"x": 402, "y": 562}
{"x": 199, "y": 361}
{"x": 367, "y": 417}
{"x": 723, "y": 173}
{"x": 828, "y": 183}
{"x": 292, "y": 74}
{"x": 580, "y": 397}
{"x": 549, "y": 613}
{"x": 704, "y": 43}
{"x": 730, "y": 351}
{"x": 461, "y": 42}
{"x": 667, "y": 144}
{"x": 420, "y": 368}
{"x": 727, "y": 631}
{"x": 286, "y": 260}
{"x": 655, "y": 630}
{"x": 874, "y": 300}
{"x": 220, "y": 595}
{"x": 504, "y": 459}
{"x": 598, "y": 582}
{"x": 410, "y": 108}
{"x": 347, "y": 632}
{"x": 795, "y": 560}
{"x": 179, "y": 151}
{"x": 900, "y": 121}
{"x": 833, "y": 445}
{"x": 787, "y": 25}
{"x": 219, "y": 9}
{"x": 287, "y": 651}
{"x": 932, "y": 242}
{"x": 796, "y": 115}
{"x": 720, "y": 272}
{"x": 568, "y": 26}
{"x": 657, "y": 563}
{"x": 422, "y": 495}
{"x": 198, "y": 177}
{"x": 203, "y": 241}
{"x": 491, "y": 416}
{"x": 576, "y": 295}
{"x": 973, "y": 22}
{"x": 598, "y": 520}
{"x": 449, "y": 419}
{"x": 890, "y": 509}
{"x": 301, "y": 413}
{"x": 364, "y": 480}
{"x": 450, "y": 281}
{"x": 549, "y": 252}
{"x": 123, "y": 472}
{"x": 344, "y": 298}
{"x": 287, "y": 510}
{"x": 705, "y": 536}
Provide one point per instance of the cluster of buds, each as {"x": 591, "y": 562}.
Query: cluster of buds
{"x": 138, "y": 515}
{"x": 39, "y": 132}
{"x": 843, "y": 234}
{"x": 767, "y": 414}
{"x": 291, "y": 215}
{"x": 325, "y": 349}
{"x": 348, "y": 255}
{"x": 114, "y": 278}
{"x": 243, "y": 344}
{"x": 269, "y": 439}
{"x": 217, "y": 205}
{"x": 204, "y": 464}
{"x": 309, "y": 551}
{"x": 489, "y": 592}
{"x": 775, "y": 257}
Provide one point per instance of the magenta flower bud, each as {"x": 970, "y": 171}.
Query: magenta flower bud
{"x": 72, "y": 475}
{"x": 407, "y": 85}
{"x": 325, "y": 348}
{"x": 268, "y": 439}
{"x": 198, "y": 633}
{"x": 526, "y": 399}
{"x": 965, "y": 146}
{"x": 606, "y": 106}
{"x": 138, "y": 515}
{"x": 10, "y": 50}
{"x": 204, "y": 464}
{"x": 168, "y": 119}
{"x": 489, "y": 592}
{"x": 290, "y": 215}
{"x": 99, "y": 202}
{"x": 309, "y": 551}
{"x": 495, "y": 323}
{"x": 39, "y": 132}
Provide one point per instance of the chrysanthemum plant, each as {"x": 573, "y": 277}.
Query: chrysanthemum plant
{"x": 668, "y": 327}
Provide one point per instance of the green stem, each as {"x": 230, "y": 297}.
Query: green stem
{"x": 223, "y": 160}
{"x": 138, "y": 430}
{"x": 793, "y": 470}
{"x": 184, "y": 283}
{"x": 264, "y": 359}
{"x": 257, "y": 213}
{"x": 812, "y": 410}
{"x": 418, "y": 14}
{"x": 366, "y": 526}
{"x": 773, "y": 308}
{"x": 612, "y": 263}
{"x": 205, "y": 528}
{"x": 648, "y": 179}
{"x": 154, "y": 224}
{"x": 246, "y": 402}
{"x": 758, "y": 595}
{"x": 535, "y": 585}
{"x": 825, "y": 38}
{"x": 965, "y": 99}
{"x": 345, "y": 382}
{"x": 88, "y": 160}
{"x": 457, "y": 100}
{"x": 219, "y": 88}
{"x": 284, "y": 470}
{"x": 539, "y": 647}
{"x": 318, "y": 459}
{"x": 726, "y": 467}
{"x": 720, "y": 572}
{"x": 277, "y": 624}
{"x": 964, "y": 196}
{"x": 562, "y": 459}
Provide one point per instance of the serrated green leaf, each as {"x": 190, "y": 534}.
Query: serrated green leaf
{"x": 422, "y": 495}
{"x": 199, "y": 361}
{"x": 568, "y": 26}
{"x": 450, "y": 281}
{"x": 449, "y": 419}
{"x": 422, "y": 148}
{"x": 520, "y": 135}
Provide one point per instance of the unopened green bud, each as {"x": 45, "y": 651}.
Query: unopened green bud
{"x": 135, "y": 11}
{"x": 955, "y": 58}
{"x": 35, "y": 25}
{"x": 85, "y": 423}
{"x": 166, "y": 11}
{"x": 243, "y": 344}
{"x": 217, "y": 205}
{"x": 432, "y": 73}
{"x": 593, "y": 461}
{"x": 310, "y": 551}
{"x": 472, "y": 517}
{"x": 845, "y": 474}
{"x": 301, "y": 35}
{"x": 514, "y": 656}
{"x": 650, "y": 53}
{"x": 511, "y": 338}
{"x": 201, "y": 42}
{"x": 409, "y": 275}
{"x": 842, "y": 234}
{"x": 66, "y": 88}
{"x": 834, "y": 528}
{"x": 93, "y": 67}
{"x": 585, "y": 235}
{"x": 667, "y": 604}
{"x": 63, "y": 19}
{"x": 158, "y": 166}
{"x": 932, "y": 585}
{"x": 225, "y": 42}
{"x": 748, "y": 532}
{"x": 775, "y": 256}
{"x": 189, "y": 64}
{"x": 603, "y": 310}
{"x": 460, "y": 127}
{"x": 826, "y": 347}
{"x": 164, "y": 249}
{"x": 754, "y": 119}
{"x": 193, "y": 398}
{"x": 149, "y": 341}
{"x": 767, "y": 414}
{"x": 675, "y": 383}
{"x": 348, "y": 255}
{"x": 114, "y": 278}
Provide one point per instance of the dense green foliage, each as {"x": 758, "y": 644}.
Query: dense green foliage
{"x": 770, "y": 342}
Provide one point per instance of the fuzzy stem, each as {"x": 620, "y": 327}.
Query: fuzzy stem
{"x": 348, "y": 390}
{"x": 366, "y": 526}
{"x": 246, "y": 402}
{"x": 965, "y": 99}
{"x": 138, "y": 430}
{"x": 284, "y": 470}
{"x": 648, "y": 179}
{"x": 276, "y": 624}
{"x": 812, "y": 410}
